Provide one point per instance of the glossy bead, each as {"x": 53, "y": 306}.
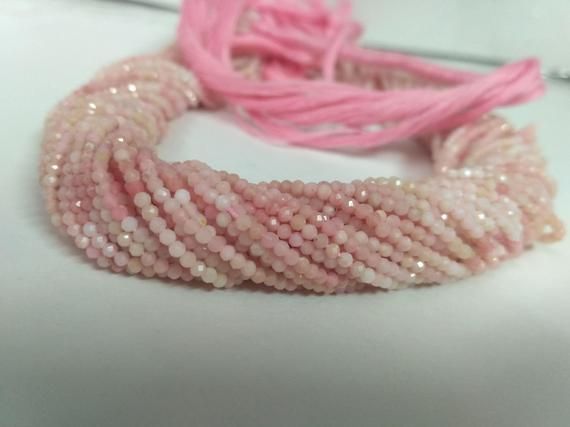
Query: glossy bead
{"x": 105, "y": 188}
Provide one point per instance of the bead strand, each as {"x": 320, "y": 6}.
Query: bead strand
{"x": 131, "y": 212}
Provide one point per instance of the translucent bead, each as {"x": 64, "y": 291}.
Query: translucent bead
{"x": 129, "y": 224}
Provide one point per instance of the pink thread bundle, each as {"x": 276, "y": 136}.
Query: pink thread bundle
{"x": 129, "y": 211}
{"x": 288, "y": 69}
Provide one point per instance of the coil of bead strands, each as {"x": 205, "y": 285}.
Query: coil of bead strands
{"x": 129, "y": 211}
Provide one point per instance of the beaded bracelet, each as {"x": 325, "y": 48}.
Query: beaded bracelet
{"x": 129, "y": 211}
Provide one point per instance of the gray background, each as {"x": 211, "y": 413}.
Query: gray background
{"x": 83, "y": 347}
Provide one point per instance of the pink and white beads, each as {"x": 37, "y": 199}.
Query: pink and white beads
{"x": 131, "y": 212}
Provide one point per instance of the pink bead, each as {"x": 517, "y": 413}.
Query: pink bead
{"x": 329, "y": 228}
{"x": 345, "y": 259}
{"x": 89, "y": 229}
{"x": 176, "y": 249}
{"x": 171, "y": 205}
{"x": 285, "y": 215}
{"x": 179, "y": 216}
{"x": 324, "y": 191}
{"x": 268, "y": 240}
{"x": 273, "y": 224}
{"x": 204, "y": 235}
{"x": 321, "y": 241}
{"x": 243, "y": 222}
{"x": 341, "y": 237}
{"x": 249, "y": 269}
{"x": 223, "y": 219}
{"x": 161, "y": 266}
{"x": 148, "y": 259}
{"x": 281, "y": 249}
{"x": 307, "y": 248}
{"x": 260, "y": 200}
{"x": 238, "y": 261}
{"x": 134, "y": 187}
{"x": 216, "y": 244}
{"x": 291, "y": 258}
{"x": 297, "y": 222}
{"x": 191, "y": 227}
{"x": 361, "y": 211}
{"x": 118, "y": 213}
{"x": 309, "y": 232}
{"x": 332, "y": 250}
{"x": 160, "y": 195}
{"x": 142, "y": 199}
{"x": 227, "y": 253}
{"x": 92, "y": 253}
{"x": 383, "y": 230}
{"x": 129, "y": 224}
{"x": 182, "y": 196}
{"x": 82, "y": 241}
{"x": 187, "y": 260}
{"x": 284, "y": 231}
{"x": 296, "y": 240}
{"x": 405, "y": 244}
{"x": 278, "y": 266}
{"x": 109, "y": 250}
{"x": 167, "y": 237}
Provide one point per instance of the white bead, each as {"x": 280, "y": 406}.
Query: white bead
{"x": 136, "y": 249}
{"x": 161, "y": 194}
{"x": 187, "y": 260}
{"x": 140, "y": 235}
{"x": 222, "y": 203}
{"x": 81, "y": 241}
{"x": 134, "y": 266}
{"x": 124, "y": 239}
{"x": 368, "y": 275}
{"x": 341, "y": 237}
{"x": 210, "y": 275}
{"x": 167, "y": 237}
{"x": 121, "y": 154}
{"x": 176, "y": 249}
{"x": 198, "y": 269}
{"x": 142, "y": 199}
{"x": 157, "y": 224}
{"x": 221, "y": 280}
{"x": 73, "y": 230}
{"x": 50, "y": 180}
{"x": 427, "y": 219}
{"x": 114, "y": 227}
{"x": 98, "y": 241}
{"x": 171, "y": 205}
{"x": 109, "y": 250}
{"x": 223, "y": 219}
{"x": 121, "y": 259}
{"x": 182, "y": 196}
{"x": 89, "y": 229}
{"x": 68, "y": 218}
{"x": 129, "y": 224}
{"x": 345, "y": 260}
{"x": 105, "y": 215}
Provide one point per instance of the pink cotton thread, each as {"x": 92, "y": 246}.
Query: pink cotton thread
{"x": 288, "y": 68}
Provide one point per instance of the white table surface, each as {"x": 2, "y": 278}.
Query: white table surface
{"x": 84, "y": 347}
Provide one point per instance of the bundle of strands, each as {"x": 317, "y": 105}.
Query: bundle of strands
{"x": 104, "y": 186}
{"x": 292, "y": 71}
